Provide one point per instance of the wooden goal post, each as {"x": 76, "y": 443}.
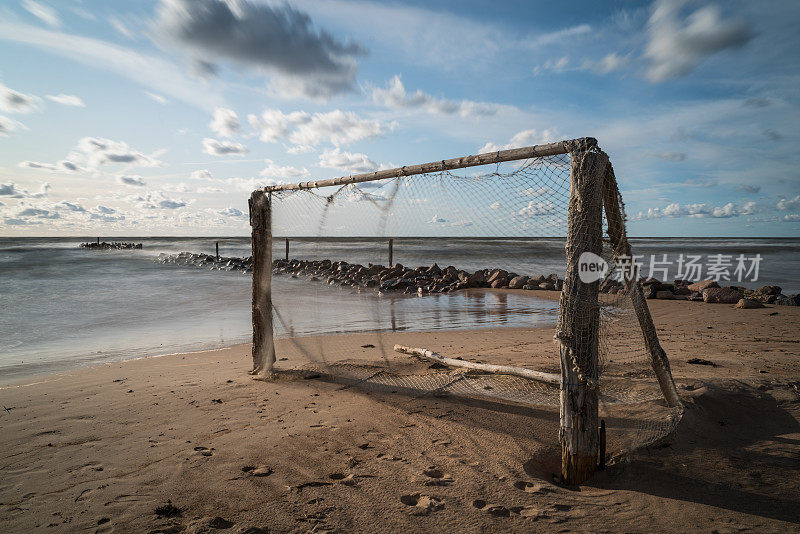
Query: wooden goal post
{"x": 579, "y": 310}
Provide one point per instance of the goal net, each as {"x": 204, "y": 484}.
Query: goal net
{"x": 481, "y": 264}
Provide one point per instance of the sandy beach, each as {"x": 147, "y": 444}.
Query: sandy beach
{"x": 101, "y": 449}
{"x": 369, "y": 266}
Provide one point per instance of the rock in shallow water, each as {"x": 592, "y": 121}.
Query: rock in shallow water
{"x": 518, "y": 282}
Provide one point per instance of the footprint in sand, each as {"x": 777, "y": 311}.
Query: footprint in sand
{"x": 534, "y": 513}
{"x": 499, "y": 510}
{"x": 531, "y": 487}
{"x": 260, "y": 471}
{"x": 203, "y": 524}
{"x": 436, "y": 477}
{"x": 204, "y": 451}
{"x": 341, "y": 478}
{"x": 493, "y": 509}
{"x": 422, "y": 504}
{"x": 92, "y": 467}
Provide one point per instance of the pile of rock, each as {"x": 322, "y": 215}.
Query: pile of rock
{"x": 425, "y": 280}
{"x": 421, "y": 280}
{"x": 207, "y": 261}
{"x": 115, "y": 245}
{"x": 707, "y": 291}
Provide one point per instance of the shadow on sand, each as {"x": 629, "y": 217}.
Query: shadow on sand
{"x": 729, "y": 452}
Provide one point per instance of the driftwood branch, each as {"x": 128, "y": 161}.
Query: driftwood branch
{"x": 550, "y": 149}
{"x": 549, "y": 378}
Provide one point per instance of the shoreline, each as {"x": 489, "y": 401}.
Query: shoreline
{"x": 552, "y": 296}
{"x": 211, "y": 346}
{"x": 103, "y": 448}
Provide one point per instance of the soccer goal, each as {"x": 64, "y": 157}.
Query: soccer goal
{"x": 368, "y": 279}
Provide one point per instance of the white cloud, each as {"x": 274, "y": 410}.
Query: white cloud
{"x": 300, "y": 149}
{"x": 302, "y": 60}
{"x": 181, "y": 187}
{"x": 63, "y": 166}
{"x": 676, "y": 47}
{"x": 495, "y": 206}
{"x": 699, "y": 211}
{"x": 120, "y": 27}
{"x": 306, "y": 130}
{"x": 346, "y": 161}
{"x": 223, "y": 148}
{"x": 155, "y": 97}
{"x": 11, "y": 190}
{"x": 133, "y": 180}
{"x": 69, "y": 206}
{"x": 156, "y": 200}
{"x": 8, "y": 125}
{"x": 278, "y": 172}
{"x": 537, "y": 209}
{"x": 231, "y": 212}
{"x": 67, "y": 100}
{"x": 92, "y": 153}
{"x": 274, "y": 125}
{"x": 105, "y": 210}
{"x": 437, "y": 220}
{"x": 43, "y": 12}
{"x": 559, "y": 37}
{"x": 202, "y": 174}
{"x": 105, "y": 213}
{"x": 537, "y": 192}
{"x": 12, "y": 101}
{"x": 558, "y": 65}
{"x": 522, "y": 139}
{"x": 150, "y": 71}
{"x": 30, "y": 214}
{"x": 225, "y": 122}
{"x": 789, "y": 204}
{"x": 337, "y": 127}
{"x": 395, "y": 96}
{"x": 61, "y": 214}
{"x": 609, "y": 63}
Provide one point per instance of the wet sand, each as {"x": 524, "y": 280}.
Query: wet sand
{"x": 101, "y": 449}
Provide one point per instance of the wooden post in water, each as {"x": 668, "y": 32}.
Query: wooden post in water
{"x": 263, "y": 341}
{"x": 217, "y": 250}
{"x": 287, "y": 249}
{"x": 579, "y": 320}
{"x": 391, "y": 251}
{"x": 98, "y": 240}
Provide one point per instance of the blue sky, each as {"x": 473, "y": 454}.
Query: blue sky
{"x": 159, "y": 117}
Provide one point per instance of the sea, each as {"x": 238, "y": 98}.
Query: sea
{"x": 63, "y": 307}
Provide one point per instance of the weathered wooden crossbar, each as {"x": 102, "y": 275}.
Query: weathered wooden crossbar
{"x": 550, "y": 149}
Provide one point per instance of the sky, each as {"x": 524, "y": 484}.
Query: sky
{"x": 160, "y": 117}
